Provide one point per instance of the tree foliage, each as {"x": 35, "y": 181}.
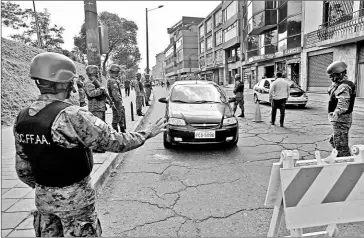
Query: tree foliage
{"x": 13, "y": 16}
{"x": 122, "y": 38}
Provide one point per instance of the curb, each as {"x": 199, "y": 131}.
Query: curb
{"x": 115, "y": 159}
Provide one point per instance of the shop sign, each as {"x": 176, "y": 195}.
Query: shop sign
{"x": 261, "y": 57}
{"x": 292, "y": 51}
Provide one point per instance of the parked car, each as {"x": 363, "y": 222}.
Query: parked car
{"x": 199, "y": 112}
{"x": 297, "y": 95}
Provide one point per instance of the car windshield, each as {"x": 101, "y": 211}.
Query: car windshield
{"x": 197, "y": 94}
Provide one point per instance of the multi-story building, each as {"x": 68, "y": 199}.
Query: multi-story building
{"x": 272, "y": 39}
{"x": 181, "y": 54}
{"x": 158, "y": 68}
{"x": 211, "y": 52}
{"x": 333, "y": 30}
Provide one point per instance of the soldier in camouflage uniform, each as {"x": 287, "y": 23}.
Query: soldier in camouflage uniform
{"x": 81, "y": 91}
{"x": 342, "y": 97}
{"x": 148, "y": 89}
{"x": 113, "y": 86}
{"x": 53, "y": 141}
{"x": 239, "y": 95}
{"x": 96, "y": 95}
{"x": 139, "y": 92}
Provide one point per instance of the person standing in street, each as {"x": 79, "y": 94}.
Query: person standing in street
{"x": 278, "y": 95}
{"x": 148, "y": 89}
{"x": 127, "y": 86}
{"x": 81, "y": 91}
{"x": 341, "y": 104}
{"x": 96, "y": 94}
{"x": 113, "y": 86}
{"x": 139, "y": 93}
{"x": 239, "y": 95}
{"x": 54, "y": 141}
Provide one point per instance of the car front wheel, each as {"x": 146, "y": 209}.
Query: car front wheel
{"x": 166, "y": 144}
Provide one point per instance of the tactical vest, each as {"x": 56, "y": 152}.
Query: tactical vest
{"x": 110, "y": 91}
{"x": 53, "y": 166}
{"x": 101, "y": 97}
{"x": 334, "y": 101}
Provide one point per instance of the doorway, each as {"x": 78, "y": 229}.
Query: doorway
{"x": 295, "y": 73}
{"x": 269, "y": 71}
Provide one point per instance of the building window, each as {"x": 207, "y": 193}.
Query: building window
{"x": 218, "y": 57}
{"x": 282, "y": 12}
{"x": 209, "y": 59}
{"x": 209, "y": 43}
{"x": 282, "y": 45}
{"x": 218, "y": 18}
{"x": 231, "y": 32}
{"x": 218, "y": 37}
{"x": 179, "y": 43}
{"x": 209, "y": 25}
{"x": 294, "y": 7}
{"x": 294, "y": 25}
{"x": 258, "y": 6}
{"x": 202, "y": 62}
{"x": 180, "y": 56}
{"x": 271, "y": 4}
{"x": 201, "y": 31}
{"x": 282, "y": 30}
{"x": 169, "y": 52}
{"x": 202, "y": 47}
{"x": 253, "y": 43}
{"x": 294, "y": 41}
{"x": 231, "y": 10}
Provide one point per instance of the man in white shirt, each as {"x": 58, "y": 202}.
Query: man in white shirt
{"x": 278, "y": 95}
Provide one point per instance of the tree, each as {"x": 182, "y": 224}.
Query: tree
{"x": 13, "y": 16}
{"x": 123, "y": 48}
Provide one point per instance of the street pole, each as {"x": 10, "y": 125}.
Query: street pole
{"x": 146, "y": 19}
{"x": 40, "y": 43}
{"x": 92, "y": 33}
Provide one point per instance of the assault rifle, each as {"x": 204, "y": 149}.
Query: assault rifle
{"x": 97, "y": 85}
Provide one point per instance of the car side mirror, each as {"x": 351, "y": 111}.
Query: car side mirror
{"x": 232, "y": 99}
{"x": 162, "y": 100}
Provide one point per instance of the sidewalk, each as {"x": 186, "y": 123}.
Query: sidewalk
{"x": 18, "y": 199}
{"x": 312, "y": 96}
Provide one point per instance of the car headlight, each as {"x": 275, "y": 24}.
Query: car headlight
{"x": 176, "y": 122}
{"x": 229, "y": 121}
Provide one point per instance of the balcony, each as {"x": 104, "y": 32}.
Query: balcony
{"x": 344, "y": 30}
{"x": 232, "y": 59}
{"x": 262, "y": 22}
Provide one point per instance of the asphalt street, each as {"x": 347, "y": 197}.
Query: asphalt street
{"x": 213, "y": 191}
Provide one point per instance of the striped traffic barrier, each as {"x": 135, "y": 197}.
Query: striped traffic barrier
{"x": 318, "y": 192}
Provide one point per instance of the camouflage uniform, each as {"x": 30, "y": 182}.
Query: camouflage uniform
{"x": 139, "y": 92}
{"x": 70, "y": 210}
{"x": 148, "y": 90}
{"x": 96, "y": 100}
{"x": 340, "y": 137}
{"x": 81, "y": 92}
{"x": 118, "y": 113}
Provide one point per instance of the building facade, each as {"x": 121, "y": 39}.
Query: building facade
{"x": 158, "y": 68}
{"x": 334, "y": 30}
{"x": 181, "y": 60}
{"x": 271, "y": 39}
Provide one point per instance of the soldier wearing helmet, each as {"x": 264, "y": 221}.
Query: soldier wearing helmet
{"x": 53, "y": 141}
{"x": 239, "y": 95}
{"x": 81, "y": 91}
{"x": 148, "y": 89}
{"x": 96, "y": 94}
{"x": 139, "y": 92}
{"x": 113, "y": 86}
{"x": 341, "y": 104}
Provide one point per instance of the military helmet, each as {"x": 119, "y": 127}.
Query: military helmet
{"x": 237, "y": 76}
{"x": 92, "y": 69}
{"x": 336, "y": 67}
{"x": 114, "y": 68}
{"x": 52, "y": 67}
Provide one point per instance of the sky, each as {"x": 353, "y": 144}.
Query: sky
{"x": 70, "y": 15}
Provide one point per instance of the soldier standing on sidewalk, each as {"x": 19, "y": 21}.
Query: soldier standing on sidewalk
{"x": 239, "y": 95}
{"x": 139, "y": 92}
{"x": 113, "y": 86}
{"x": 53, "y": 141}
{"x": 341, "y": 104}
{"x": 148, "y": 89}
{"x": 96, "y": 95}
{"x": 81, "y": 91}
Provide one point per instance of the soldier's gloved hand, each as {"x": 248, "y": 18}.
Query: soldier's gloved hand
{"x": 157, "y": 127}
{"x": 332, "y": 116}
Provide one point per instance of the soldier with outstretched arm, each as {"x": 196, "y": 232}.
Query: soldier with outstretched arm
{"x": 53, "y": 140}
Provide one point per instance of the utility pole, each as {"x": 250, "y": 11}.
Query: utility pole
{"x": 40, "y": 43}
{"x": 92, "y": 33}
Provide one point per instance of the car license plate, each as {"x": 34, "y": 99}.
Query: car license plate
{"x": 206, "y": 134}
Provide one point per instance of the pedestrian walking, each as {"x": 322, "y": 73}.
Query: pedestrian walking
{"x": 167, "y": 85}
{"x": 148, "y": 89}
{"x": 53, "y": 141}
{"x": 239, "y": 95}
{"x": 96, "y": 94}
{"x": 139, "y": 93}
{"x": 127, "y": 86}
{"x": 278, "y": 95}
{"x": 341, "y": 104}
{"x": 113, "y": 86}
{"x": 81, "y": 91}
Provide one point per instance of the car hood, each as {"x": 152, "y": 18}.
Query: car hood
{"x": 200, "y": 113}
